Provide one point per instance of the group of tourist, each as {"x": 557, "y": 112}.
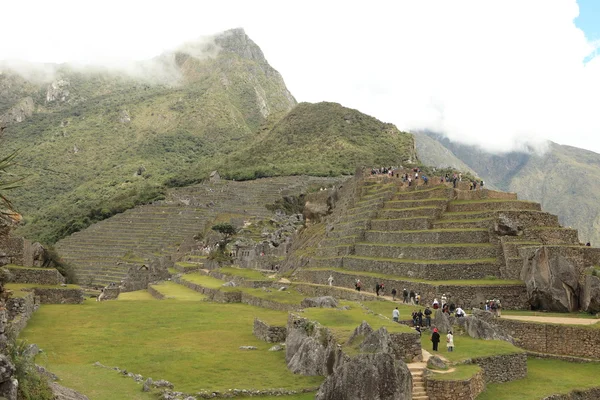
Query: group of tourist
{"x": 435, "y": 339}
{"x": 410, "y": 297}
{"x": 494, "y": 306}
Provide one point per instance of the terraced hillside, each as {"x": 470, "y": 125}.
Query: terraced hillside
{"x": 102, "y": 253}
{"x": 435, "y": 240}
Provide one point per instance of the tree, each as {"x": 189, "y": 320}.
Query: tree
{"x": 7, "y": 181}
{"x": 227, "y": 231}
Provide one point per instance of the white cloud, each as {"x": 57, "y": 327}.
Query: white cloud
{"x": 494, "y": 73}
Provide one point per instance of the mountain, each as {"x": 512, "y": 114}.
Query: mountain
{"x": 94, "y": 142}
{"x": 563, "y": 179}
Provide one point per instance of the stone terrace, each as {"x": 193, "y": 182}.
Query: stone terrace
{"x": 104, "y": 252}
{"x": 434, "y": 238}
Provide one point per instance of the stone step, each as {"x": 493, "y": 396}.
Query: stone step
{"x": 429, "y": 236}
{"x": 403, "y": 204}
{"x": 402, "y": 224}
{"x": 492, "y": 205}
{"x": 427, "y": 252}
{"x": 432, "y": 192}
{"x": 484, "y": 223}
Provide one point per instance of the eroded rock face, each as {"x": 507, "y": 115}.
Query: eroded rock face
{"x": 441, "y": 321}
{"x": 362, "y": 330}
{"x": 377, "y": 342}
{"x": 321, "y": 302}
{"x": 436, "y": 362}
{"x": 590, "y": 298}
{"x": 552, "y": 281}
{"x": 368, "y": 377}
{"x": 506, "y": 226}
{"x": 480, "y": 325}
{"x": 63, "y": 393}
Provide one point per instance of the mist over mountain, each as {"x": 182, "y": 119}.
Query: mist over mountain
{"x": 563, "y": 179}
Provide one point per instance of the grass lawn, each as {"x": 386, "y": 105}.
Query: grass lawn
{"x": 248, "y": 274}
{"x": 208, "y": 282}
{"x": 461, "y": 373}
{"x": 466, "y": 347}
{"x": 545, "y": 377}
{"x": 193, "y": 344}
{"x": 172, "y": 290}
{"x": 137, "y": 295}
{"x": 385, "y": 308}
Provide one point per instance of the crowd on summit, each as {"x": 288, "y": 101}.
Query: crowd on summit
{"x": 416, "y": 173}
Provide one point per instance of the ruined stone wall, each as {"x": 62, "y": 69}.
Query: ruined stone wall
{"x": 503, "y": 368}
{"x": 19, "y": 310}
{"x": 265, "y": 303}
{"x": 59, "y": 295}
{"x": 467, "y": 389}
{"x": 269, "y": 333}
{"x": 406, "y": 346}
{"x": 155, "y": 293}
{"x": 589, "y": 394}
{"x": 512, "y": 296}
{"x": 46, "y": 276}
{"x": 215, "y": 295}
{"x": 570, "y": 340}
{"x": 425, "y": 252}
{"x": 483, "y": 194}
{"x": 11, "y": 250}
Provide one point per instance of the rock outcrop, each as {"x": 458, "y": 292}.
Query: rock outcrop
{"x": 442, "y": 321}
{"x": 63, "y": 393}
{"x": 480, "y": 325}
{"x": 368, "y": 376}
{"x": 552, "y": 281}
{"x": 320, "y": 302}
{"x": 590, "y": 297}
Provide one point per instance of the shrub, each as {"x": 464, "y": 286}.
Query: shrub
{"x": 32, "y": 386}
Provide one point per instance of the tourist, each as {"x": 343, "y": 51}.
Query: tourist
{"x": 382, "y": 289}
{"x": 420, "y": 317}
{"x": 588, "y": 244}
{"x": 459, "y": 312}
{"x": 498, "y": 308}
{"x": 444, "y": 300}
{"x": 414, "y": 317}
{"x": 395, "y": 314}
{"x": 427, "y": 317}
{"x": 394, "y": 292}
{"x": 494, "y": 307}
{"x": 435, "y": 338}
{"x": 377, "y": 288}
{"x": 450, "y": 341}
{"x": 412, "y": 297}
{"x": 481, "y": 184}
{"x": 418, "y": 329}
{"x": 417, "y": 298}
{"x": 435, "y": 304}
{"x": 425, "y": 180}
{"x": 446, "y": 309}
{"x": 405, "y": 296}
{"x": 330, "y": 280}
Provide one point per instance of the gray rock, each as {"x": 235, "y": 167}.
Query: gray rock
{"x": 552, "y": 281}
{"x": 480, "y": 325}
{"x": 44, "y": 372}
{"x": 63, "y": 393}
{"x": 441, "y": 321}
{"x": 147, "y": 385}
{"x": 9, "y": 389}
{"x": 277, "y": 347}
{"x": 362, "y": 330}
{"x": 229, "y": 284}
{"x": 377, "y": 342}
{"x": 7, "y": 369}
{"x": 248, "y": 348}
{"x": 505, "y": 226}
{"x": 163, "y": 384}
{"x": 322, "y": 302}
{"x": 436, "y": 362}
{"x": 590, "y": 297}
{"x": 368, "y": 377}
{"x": 31, "y": 351}
{"x": 283, "y": 288}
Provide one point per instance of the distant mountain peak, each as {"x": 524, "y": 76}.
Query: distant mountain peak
{"x": 236, "y": 41}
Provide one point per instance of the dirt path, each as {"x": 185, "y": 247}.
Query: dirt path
{"x": 553, "y": 320}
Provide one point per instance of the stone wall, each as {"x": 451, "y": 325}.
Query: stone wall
{"x": 11, "y": 249}
{"x": 111, "y": 293}
{"x": 269, "y": 333}
{"x": 570, "y": 340}
{"x": 19, "y": 310}
{"x": 59, "y": 295}
{"x": 483, "y": 194}
{"x": 467, "y": 389}
{"x": 589, "y": 394}
{"x": 338, "y": 293}
{"x": 216, "y": 295}
{"x": 417, "y": 252}
{"x": 138, "y": 277}
{"x": 406, "y": 346}
{"x": 155, "y": 293}
{"x": 42, "y": 276}
{"x": 503, "y": 368}
{"x": 512, "y": 296}
{"x": 266, "y": 303}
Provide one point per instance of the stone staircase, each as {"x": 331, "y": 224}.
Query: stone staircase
{"x": 417, "y": 371}
{"x": 102, "y": 253}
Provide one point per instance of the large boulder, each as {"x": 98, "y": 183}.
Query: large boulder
{"x": 507, "y": 226}
{"x": 552, "y": 281}
{"x": 368, "y": 377}
{"x": 480, "y": 325}
{"x": 442, "y": 321}
{"x": 361, "y": 332}
{"x": 377, "y": 342}
{"x": 590, "y": 296}
{"x": 63, "y": 393}
{"x": 319, "y": 302}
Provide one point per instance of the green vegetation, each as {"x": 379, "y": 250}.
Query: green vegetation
{"x": 246, "y": 273}
{"x": 7, "y": 180}
{"x": 465, "y": 347}
{"x": 545, "y": 377}
{"x": 32, "y": 386}
{"x": 174, "y": 291}
{"x": 460, "y": 373}
{"x": 137, "y": 295}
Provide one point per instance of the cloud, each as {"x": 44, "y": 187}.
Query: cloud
{"x": 498, "y": 73}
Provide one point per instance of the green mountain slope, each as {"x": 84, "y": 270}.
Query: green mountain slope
{"x": 564, "y": 180}
{"x": 98, "y": 143}
{"x": 322, "y": 139}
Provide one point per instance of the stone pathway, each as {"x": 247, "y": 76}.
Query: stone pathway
{"x": 553, "y": 320}
{"x": 417, "y": 369}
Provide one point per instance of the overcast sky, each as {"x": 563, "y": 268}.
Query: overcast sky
{"x": 495, "y": 73}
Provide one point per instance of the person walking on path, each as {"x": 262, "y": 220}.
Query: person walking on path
{"x": 377, "y": 288}
{"x": 459, "y": 312}
{"x": 357, "y": 285}
{"x": 420, "y": 317}
{"x": 394, "y": 292}
{"x": 412, "y": 297}
{"x": 435, "y": 339}
{"x": 450, "y": 341}
{"x": 405, "y": 296}
{"x": 427, "y": 317}
{"x": 395, "y": 314}
{"x": 330, "y": 280}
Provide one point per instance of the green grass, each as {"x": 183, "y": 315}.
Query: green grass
{"x": 466, "y": 347}
{"x": 550, "y": 314}
{"x": 137, "y": 295}
{"x": 246, "y": 273}
{"x": 544, "y": 378}
{"x": 13, "y": 266}
{"x": 461, "y": 373}
{"x": 21, "y": 286}
{"x": 478, "y": 201}
{"x": 385, "y": 307}
{"x": 208, "y": 282}
{"x": 193, "y": 344}
{"x": 172, "y": 290}
{"x": 466, "y": 282}
{"x": 433, "y": 245}
{"x": 407, "y": 260}
{"x": 188, "y": 265}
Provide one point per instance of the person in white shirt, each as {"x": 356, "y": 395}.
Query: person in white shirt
{"x": 459, "y": 312}
{"x": 450, "y": 341}
{"x": 395, "y": 314}
{"x": 330, "y": 280}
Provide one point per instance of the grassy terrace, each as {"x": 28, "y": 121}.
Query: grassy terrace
{"x": 470, "y": 282}
{"x": 550, "y": 314}
{"x": 172, "y": 290}
{"x": 436, "y": 230}
{"x": 434, "y": 245}
{"x": 545, "y": 377}
{"x": 13, "y": 266}
{"x": 489, "y": 201}
{"x": 461, "y": 373}
{"x": 246, "y": 273}
{"x": 465, "y": 347}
